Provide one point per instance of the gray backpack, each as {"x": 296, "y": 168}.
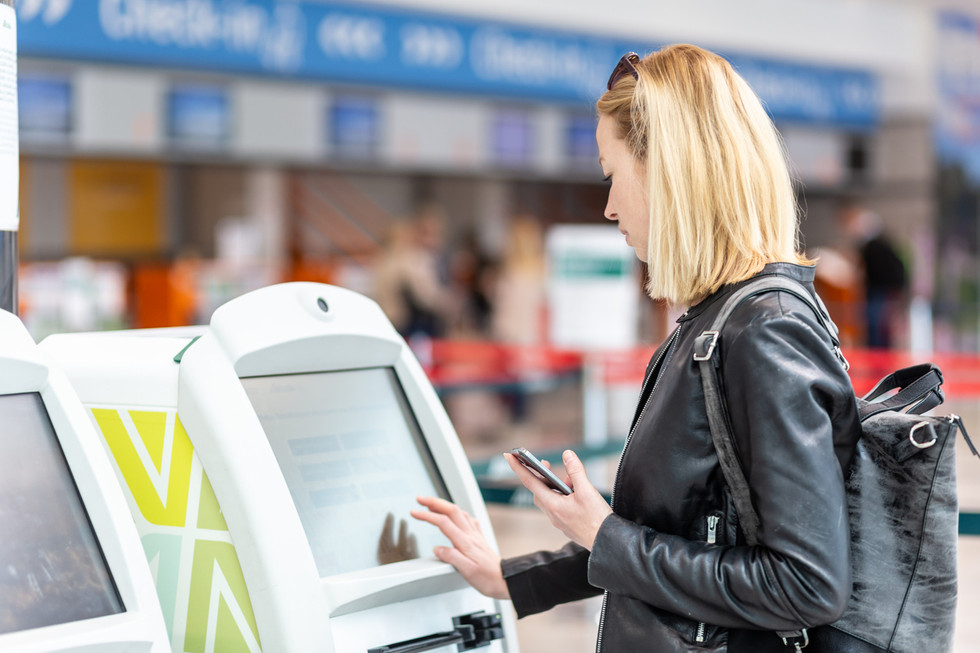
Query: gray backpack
{"x": 901, "y": 495}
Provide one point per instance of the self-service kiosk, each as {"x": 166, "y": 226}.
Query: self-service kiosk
{"x": 271, "y": 460}
{"x": 73, "y": 577}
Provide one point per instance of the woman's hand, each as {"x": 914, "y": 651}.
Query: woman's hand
{"x": 579, "y": 514}
{"x": 470, "y": 553}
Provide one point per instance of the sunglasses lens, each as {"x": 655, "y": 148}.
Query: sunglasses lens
{"x": 626, "y": 65}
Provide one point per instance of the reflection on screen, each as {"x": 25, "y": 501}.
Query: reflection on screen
{"x": 354, "y": 459}
{"x": 51, "y": 567}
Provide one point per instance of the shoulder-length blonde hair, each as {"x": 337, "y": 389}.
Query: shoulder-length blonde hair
{"x": 721, "y": 200}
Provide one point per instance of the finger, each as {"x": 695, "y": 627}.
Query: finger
{"x": 448, "y": 508}
{"x": 456, "y": 558}
{"x": 542, "y": 492}
{"x": 456, "y": 535}
{"x": 575, "y": 469}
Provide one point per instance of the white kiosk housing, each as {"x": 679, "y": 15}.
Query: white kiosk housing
{"x": 72, "y": 573}
{"x": 314, "y": 424}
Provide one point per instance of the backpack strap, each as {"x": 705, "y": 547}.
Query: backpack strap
{"x": 918, "y": 387}
{"x": 705, "y": 347}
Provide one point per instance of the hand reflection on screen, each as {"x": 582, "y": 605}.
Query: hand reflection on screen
{"x": 406, "y": 548}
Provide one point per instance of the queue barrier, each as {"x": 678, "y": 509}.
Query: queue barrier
{"x": 454, "y": 365}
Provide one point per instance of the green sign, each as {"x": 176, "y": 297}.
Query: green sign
{"x": 581, "y": 265}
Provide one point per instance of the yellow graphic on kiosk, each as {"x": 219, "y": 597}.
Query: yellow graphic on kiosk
{"x": 197, "y": 572}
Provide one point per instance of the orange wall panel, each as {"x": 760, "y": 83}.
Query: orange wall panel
{"x": 115, "y": 208}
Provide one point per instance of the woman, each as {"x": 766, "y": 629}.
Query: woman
{"x": 700, "y": 190}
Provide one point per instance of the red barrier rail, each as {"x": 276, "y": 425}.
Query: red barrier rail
{"x": 961, "y": 372}
{"x": 477, "y": 362}
{"x": 474, "y": 362}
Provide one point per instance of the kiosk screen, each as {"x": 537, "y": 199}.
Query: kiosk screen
{"x": 52, "y": 569}
{"x": 354, "y": 459}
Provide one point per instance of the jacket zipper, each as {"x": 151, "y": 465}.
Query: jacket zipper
{"x": 612, "y": 496}
{"x": 711, "y": 539}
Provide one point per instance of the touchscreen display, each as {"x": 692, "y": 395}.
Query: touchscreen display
{"x": 51, "y": 566}
{"x": 354, "y": 459}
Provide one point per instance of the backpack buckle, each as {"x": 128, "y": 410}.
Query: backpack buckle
{"x": 704, "y": 345}
{"x": 925, "y": 444}
{"x": 794, "y": 640}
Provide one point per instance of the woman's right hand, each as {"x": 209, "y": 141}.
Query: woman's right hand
{"x": 470, "y": 553}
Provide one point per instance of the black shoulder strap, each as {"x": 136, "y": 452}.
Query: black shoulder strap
{"x": 721, "y": 432}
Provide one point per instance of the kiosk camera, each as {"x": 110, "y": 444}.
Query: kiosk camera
{"x": 72, "y": 572}
{"x": 314, "y": 424}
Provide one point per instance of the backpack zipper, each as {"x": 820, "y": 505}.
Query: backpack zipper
{"x": 612, "y": 495}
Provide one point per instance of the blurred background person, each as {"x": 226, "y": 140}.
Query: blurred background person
{"x": 519, "y": 290}
{"x": 884, "y": 277}
{"x": 472, "y": 275}
{"x": 410, "y": 282}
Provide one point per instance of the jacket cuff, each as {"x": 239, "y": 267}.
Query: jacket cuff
{"x": 610, "y": 549}
{"x": 540, "y": 581}
{"x": 521, "y": 588}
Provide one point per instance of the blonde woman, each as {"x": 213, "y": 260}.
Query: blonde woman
{"x": 700, "y": 190}
{"x": 519, "y": 291}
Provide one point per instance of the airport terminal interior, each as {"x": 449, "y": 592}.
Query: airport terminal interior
{"x": 222, "y": 221}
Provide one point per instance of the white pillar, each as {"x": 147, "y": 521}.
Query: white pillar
{"x": 265, "y": 206}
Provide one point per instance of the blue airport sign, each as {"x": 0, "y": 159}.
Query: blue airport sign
{"x": 385, "y": 46}
{"x": 957, "y": 124}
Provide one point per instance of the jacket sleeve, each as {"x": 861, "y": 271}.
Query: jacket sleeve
{"x": 788, "y": 400}
{"x": 540, "y": 581}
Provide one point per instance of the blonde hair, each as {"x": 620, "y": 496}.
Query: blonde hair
{"x": 721, "y": 201}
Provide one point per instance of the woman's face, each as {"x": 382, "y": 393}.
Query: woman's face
{"x": 627, "y": 203}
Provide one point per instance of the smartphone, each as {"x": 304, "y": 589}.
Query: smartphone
{"x": 529, "y": 460}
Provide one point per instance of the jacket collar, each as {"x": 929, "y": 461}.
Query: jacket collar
{"x": 802, "y": 273}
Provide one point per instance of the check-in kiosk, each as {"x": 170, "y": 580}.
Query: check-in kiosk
{"x": 294, "y": 435}
{"x": 73, "y": 576}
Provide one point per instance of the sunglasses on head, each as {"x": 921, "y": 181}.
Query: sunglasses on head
{"x": 626, "y": 66}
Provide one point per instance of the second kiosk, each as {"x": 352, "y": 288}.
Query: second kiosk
{"x": 270, "y": 464}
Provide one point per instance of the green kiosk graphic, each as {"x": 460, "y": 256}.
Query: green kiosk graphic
{"x": 199, "y": 579}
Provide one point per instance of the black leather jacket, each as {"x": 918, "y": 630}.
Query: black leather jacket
{"x": 676, "y": 573}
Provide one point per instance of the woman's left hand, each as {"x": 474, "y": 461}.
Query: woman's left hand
{"x": 579, "y": 514}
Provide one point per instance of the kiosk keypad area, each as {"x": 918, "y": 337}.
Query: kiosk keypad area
{"x": 313, "y": 427}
